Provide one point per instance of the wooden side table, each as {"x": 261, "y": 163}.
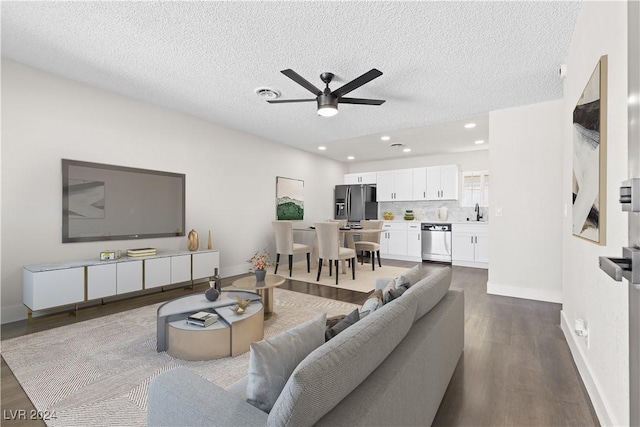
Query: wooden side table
{"x": 264, "y": 288}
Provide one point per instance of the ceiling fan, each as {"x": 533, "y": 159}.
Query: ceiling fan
{"x": 328, "y": 100}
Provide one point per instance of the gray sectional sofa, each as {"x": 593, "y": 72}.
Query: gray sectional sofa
{"x": 391, "y": 368}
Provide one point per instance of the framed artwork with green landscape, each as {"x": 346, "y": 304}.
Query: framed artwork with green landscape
{"x": 289, "y": 198}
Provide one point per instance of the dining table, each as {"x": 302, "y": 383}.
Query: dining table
{"x": 346, "y": 235}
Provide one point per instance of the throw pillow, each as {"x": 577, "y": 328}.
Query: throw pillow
{"x": 272, "y": 361}
{"x": 332, "y": 321}
{"x": 349, "y": 320}
{"x": 402, "y": 281}
{"x": 395, "y": 293}
{"x": 370, "y": 305}
{"x": 413, "y": 275}
{"x": 385, "y": 292}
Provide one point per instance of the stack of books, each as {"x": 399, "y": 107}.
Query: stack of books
{"x": 202, "y": 318}
{"x": 141, "y": 252}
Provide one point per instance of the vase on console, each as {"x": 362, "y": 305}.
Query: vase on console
{"x": 261, "y": 273}
{"x": 192, "y": 241}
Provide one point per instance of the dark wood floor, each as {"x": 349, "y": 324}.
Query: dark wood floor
{"x": 516, "y": 369}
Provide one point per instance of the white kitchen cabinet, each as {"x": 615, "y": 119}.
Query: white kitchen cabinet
{"x": 419, "y": 184}
{"x": 101, "y": 281}
{"x": 129, "y": 277}
{"x": 394, "y": 186}
{"x": 442, "y": 182}
{"x": 470, "y": 245}
{"x": 360, "y": 178}
{"x": 414, "y": 242}
{"x": 393, "y": 240}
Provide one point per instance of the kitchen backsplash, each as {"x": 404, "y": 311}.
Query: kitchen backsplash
{"x": 426, "y": 211}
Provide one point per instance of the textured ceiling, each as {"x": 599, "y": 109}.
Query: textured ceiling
{"x": 442, "y": 62}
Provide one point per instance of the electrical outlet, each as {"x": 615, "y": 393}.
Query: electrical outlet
{"x": 498, "y": 210}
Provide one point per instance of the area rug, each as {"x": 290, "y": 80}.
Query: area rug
{"x": 96, "y": 372}
{"x": 365, "y": 278}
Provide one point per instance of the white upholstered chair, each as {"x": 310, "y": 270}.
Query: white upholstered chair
{"x": 370, "y": 242}
{"x": 329, "y": 249}
{"x": 286, "y": 246}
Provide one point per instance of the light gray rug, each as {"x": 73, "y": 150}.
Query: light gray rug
{"x": 95, "y": 373}
{"x": 365, "y": 277}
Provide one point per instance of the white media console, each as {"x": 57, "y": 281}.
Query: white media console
{"x": 52, "y": 285}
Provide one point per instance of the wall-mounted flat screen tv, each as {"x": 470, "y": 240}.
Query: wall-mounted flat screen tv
{"x": 106, "y": 202}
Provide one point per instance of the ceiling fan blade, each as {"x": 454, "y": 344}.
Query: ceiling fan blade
{"x": 301, "y": 81}
{"x": 361, "y": 101}
{"x": 356, "y": 83}
{"x": 282, "y": 101}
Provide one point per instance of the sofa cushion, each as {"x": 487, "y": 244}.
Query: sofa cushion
{"x": 413, "y": 275}
{"x": 343, "y": 324}
{"x": 335, "y": 369}
{"x": 429, "y": 291}
{"x": 272, "y": 361}
{"x": 371, "y": 305}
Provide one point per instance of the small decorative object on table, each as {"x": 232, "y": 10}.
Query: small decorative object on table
{"x": 260, "y": 261}
{"x": 192, "y": 241}
{"x": 241, "y": 306}
{"x": 209, "y": 244}
{"x": 388, "y": 215}
{"x": 108, "y": 255}
{"x": 212, "y": 293}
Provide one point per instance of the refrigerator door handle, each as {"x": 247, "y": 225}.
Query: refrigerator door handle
{"x": 348, "y": 203}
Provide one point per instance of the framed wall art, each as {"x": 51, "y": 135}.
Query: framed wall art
{"x": 590, "y": 158}
{"x": 289, "y": 199}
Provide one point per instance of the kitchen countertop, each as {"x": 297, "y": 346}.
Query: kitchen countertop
{"x": 433, "y": 221}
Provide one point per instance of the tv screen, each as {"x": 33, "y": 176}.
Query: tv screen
{"x": 106, "y": 202}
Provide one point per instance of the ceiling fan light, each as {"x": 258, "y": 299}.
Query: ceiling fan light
{"x": 327, "y": 110}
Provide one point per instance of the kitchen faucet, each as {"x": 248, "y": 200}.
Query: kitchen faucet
{"x": 477, "y": 211}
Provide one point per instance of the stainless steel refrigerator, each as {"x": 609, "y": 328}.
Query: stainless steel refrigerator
{"x": 355, "y": 202}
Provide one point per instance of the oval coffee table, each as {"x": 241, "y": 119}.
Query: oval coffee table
{"x": 264, "y": 288}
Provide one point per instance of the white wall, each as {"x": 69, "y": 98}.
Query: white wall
{"x": 470, "y": 160}
{"x": 525, "y": 244}
{"x": 230, "y": 175}
{"x": 589, "y": 293}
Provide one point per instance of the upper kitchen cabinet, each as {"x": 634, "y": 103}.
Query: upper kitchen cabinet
{"x": 442, "y": 182}
{"x": 360, "y": 178}
{"x": 394, "y": 186}
{"x": 419, "y": 184}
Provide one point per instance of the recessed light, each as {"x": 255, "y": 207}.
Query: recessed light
{"x": 406, "y": 150}
{"x": 480, "y": 141}
{"x": 350, "y": 158}
{"x": 322, "y": 148}
{"x": 385, "y": 138}
{"x": 470, "y": 125}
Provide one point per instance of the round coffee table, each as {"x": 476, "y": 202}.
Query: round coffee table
{"x": 264, "y": 288}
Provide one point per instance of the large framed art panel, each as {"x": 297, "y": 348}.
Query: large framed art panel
{"x": 590, "y": 158}
{"x": 289, "y": 198}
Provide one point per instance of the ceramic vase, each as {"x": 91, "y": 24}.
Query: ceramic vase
{"x": 192, "y": 241}
{"x": 212, "y": 293}
{"x": 209, "y": 245}
{"x": 261, "y": 274}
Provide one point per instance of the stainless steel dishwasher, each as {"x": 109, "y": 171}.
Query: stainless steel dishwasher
{"x": 436, "y": 242}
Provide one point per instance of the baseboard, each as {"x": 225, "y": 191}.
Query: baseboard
{"x": 13, "y": 313}
{"x": 524, "y": 293}
{"x": 590, "y": 383}
{"x": 473, "y": 264}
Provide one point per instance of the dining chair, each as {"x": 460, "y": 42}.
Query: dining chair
{"x": 286, "y": 246}
{"x": 329, "y": 248}
{"x": 370, "y": 242}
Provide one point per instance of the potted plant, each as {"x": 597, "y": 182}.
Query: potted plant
{"x": 259, "y": 263}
